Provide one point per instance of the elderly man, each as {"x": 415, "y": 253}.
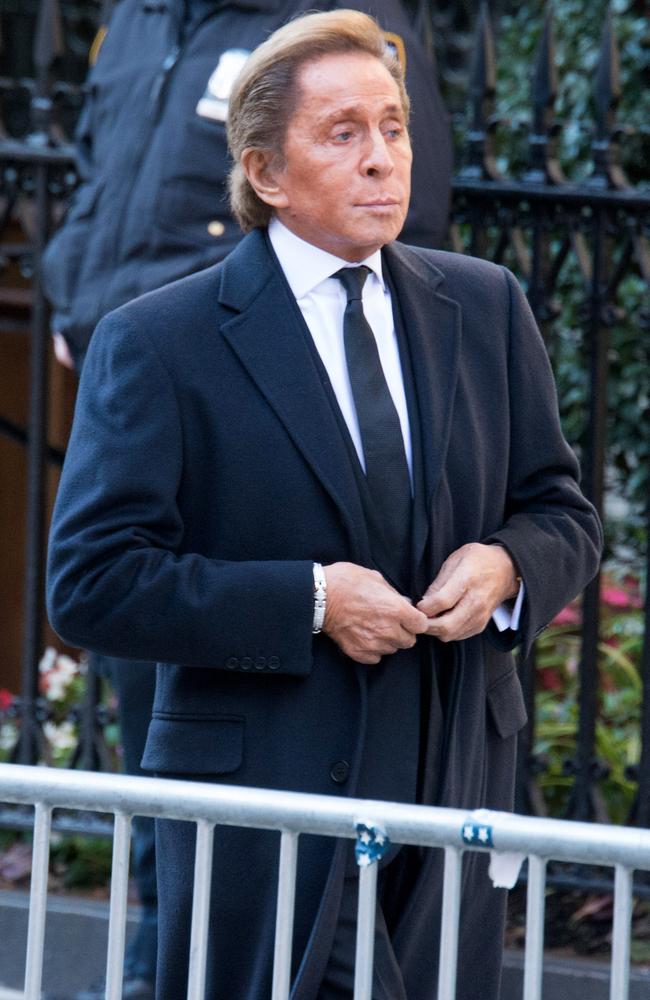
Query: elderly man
{"x": 323, "y": 484}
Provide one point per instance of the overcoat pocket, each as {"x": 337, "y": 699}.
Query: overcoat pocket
{"x": 191, "y": 745}
{"x": 506, "y": 701}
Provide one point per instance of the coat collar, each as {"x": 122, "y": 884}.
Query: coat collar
{"x": 433, "y": 325}
{"x": 269, "y": 338}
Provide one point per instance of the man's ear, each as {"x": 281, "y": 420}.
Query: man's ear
{"x": 264, "y": 176}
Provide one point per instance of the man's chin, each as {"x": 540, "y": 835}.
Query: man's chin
{"x": 380, "y": 227}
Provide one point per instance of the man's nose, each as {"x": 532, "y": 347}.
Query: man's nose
{"x": 377, "y": 158}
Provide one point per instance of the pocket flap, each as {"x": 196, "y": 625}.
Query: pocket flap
{"x": 195, "y": 746}
{"x": 506, "y": 701}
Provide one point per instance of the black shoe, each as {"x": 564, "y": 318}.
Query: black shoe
{"x": 133, "y": 988}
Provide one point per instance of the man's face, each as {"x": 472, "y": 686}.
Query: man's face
{"x": 346, "y": 180}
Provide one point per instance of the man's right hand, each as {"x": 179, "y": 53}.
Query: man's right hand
{"x": 365, "y": 616}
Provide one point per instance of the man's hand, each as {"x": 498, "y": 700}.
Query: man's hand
{"x": 365, "y": 616}
{"x": 62, "y": 351}
{"x": 473, "y": 581}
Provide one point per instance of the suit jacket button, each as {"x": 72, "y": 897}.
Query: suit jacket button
{"x": 232, "y": 662}
{"x": 246, "y": 663}
{"x": 274, "y": 662}
{"x": 260, "y": 663}
{"x": 340, "y": 771}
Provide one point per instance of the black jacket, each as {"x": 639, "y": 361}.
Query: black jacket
{"x": 205, "y": 473}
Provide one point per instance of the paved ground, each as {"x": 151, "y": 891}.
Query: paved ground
{"x": 77, "y": 932}
{"x": 76, "y": 935}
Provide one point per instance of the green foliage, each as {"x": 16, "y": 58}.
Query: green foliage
{"x": 578, "y": 28}
{"x": 620, "y": 697}
{"x": 81, "y": 862}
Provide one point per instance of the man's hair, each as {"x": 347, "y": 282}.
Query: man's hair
{"x": 266, "y": 93}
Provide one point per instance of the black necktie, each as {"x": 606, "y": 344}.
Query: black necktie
{"x": 387, "y": 472}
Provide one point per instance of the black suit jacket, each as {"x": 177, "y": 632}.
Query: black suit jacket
{"x": 206, "y": 472}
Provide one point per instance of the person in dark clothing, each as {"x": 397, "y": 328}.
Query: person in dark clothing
{"x": 152, "y": 206}
{"x": 324, "y": 484}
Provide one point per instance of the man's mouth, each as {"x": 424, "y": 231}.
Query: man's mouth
{"x": 379, "y": 203}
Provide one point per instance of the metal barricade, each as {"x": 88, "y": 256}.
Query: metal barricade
{"x": 294, "y": 814}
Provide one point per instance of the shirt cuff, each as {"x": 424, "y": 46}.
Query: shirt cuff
{"x": 507, "y": 616}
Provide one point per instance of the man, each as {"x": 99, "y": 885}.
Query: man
{"x": 152, "y": 207}
{"x": 346, "y": 463}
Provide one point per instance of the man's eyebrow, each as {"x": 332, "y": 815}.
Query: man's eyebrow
{"x": 353, "y": 110}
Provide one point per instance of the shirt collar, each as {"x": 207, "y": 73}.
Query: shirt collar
{"x": 305, "y": 266}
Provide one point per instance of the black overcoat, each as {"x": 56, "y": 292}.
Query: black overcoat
{"x": 205, "y": 473}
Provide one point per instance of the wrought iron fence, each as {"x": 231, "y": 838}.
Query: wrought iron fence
{"x": 540, "y": 224}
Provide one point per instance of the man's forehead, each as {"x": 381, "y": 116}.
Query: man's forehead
{"x": 352, "y": 79}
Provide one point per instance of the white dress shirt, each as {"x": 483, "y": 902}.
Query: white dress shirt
{"x": 322, "y": 300}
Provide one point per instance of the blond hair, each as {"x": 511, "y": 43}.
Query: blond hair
{"x": 265, "y": 94}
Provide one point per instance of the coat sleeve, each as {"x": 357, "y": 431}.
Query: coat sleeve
{"x": 119, "y": 582}
{"x": 551, "y": 530}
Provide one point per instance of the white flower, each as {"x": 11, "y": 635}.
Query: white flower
{"x": 56, "y": 686}
{"x": 67, "y": 667}
{"x": 8, "y": 736}
{"x": 47, "y": 660}
{"x": 61, "y": 736}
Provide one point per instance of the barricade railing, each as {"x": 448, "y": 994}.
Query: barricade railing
{"x": 511, "y": 838}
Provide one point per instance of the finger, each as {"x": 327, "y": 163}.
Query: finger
{"x": 459, "y": 623}
{"x": 363, "y": 656}
{"x": 414, "y": 620}
{"x": 406, "y": 639}
{"x": 436, "y": 602}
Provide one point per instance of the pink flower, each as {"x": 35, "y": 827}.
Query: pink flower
{"x": 6, "y": 699}
{"x": 550, "y": 679}
{"x": 616, "y": 597}
{"x": 568, "y": 616}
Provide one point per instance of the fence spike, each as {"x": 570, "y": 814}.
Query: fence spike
{"x": 48, "y": 45}
{"x": 48, "y": 40}
{"x": 543, "y": 165}
{"x": 607, "y": 92}
{"x": 544, "y": 77}
{"x": 607, "y": 170}
{"x": 480, "y": 160}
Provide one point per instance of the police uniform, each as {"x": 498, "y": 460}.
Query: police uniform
{"x": 152, "y": 207}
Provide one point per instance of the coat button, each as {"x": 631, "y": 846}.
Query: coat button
{"x": 216, "y": 227}
{"x": 339, "y": 771}
{"x": 232, "y": 662}
{"x": 246, "y": 663}
{"x": 260, "y": 663}
{"x": 274, "y": 662}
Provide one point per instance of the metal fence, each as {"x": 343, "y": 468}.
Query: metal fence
{"x": 294, "y": 815}
{"x": 538, "y": 223}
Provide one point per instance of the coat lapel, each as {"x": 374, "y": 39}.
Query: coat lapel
{"x": 433, "y": 327}
{"x": 268, "y": 336}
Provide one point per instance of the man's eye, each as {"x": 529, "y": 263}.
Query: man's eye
{"x": 393, "y": 133}
{"x": 343, "y": 135}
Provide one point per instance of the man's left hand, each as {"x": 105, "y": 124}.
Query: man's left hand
{"x": 473, "y": 581}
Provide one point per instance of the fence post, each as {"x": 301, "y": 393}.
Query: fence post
{"x": 449, "y": 923}
{"x": 200, "y": 911}
{"x": 37, "y": 902}
{"x": 284, "y": 916}
{"x": 587, "y": 769}
{"x": 48, "y": 44}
